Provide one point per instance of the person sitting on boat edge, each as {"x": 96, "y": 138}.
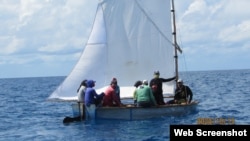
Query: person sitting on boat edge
{"x": 156, "y": 85}
{"x": 183, "y": 94}
{"x": 110, "y": 98}
{"x": 144, "y": 96}
{"x": 81, "y": 91}
{"x": 117, "y": 89}
{"x": 136, "y": 85}
{"x": 81, "y": 96}
{"x": 92, "y": 99}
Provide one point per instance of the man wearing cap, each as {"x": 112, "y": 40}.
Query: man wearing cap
{"x": 183, "y": 94}
{"x": 156, "y": 85}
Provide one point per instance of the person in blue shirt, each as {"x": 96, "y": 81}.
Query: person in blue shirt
{"x": 92, "y": 99}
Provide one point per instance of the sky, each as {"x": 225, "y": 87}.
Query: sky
{"x": 46, "y": 37}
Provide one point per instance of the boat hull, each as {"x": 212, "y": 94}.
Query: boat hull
{"x": 129, "y": 112}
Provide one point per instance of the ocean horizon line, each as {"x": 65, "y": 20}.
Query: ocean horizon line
{"x": 21, "y": 77}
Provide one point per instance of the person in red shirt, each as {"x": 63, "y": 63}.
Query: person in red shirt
{"x": 110, "y": 98}
{"x": 117, "y": 88}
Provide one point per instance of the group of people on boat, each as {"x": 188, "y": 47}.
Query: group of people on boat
{"x": 145, "y": 94}
{"x": 152, "y": 95}
{"x": 87, "y": 94}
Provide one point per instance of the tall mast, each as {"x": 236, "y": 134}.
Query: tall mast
{"x": 175, "y": 41}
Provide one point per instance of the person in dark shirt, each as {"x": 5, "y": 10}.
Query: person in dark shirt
{"x": 156, "y": 86}
{"x": 183, "y": 94}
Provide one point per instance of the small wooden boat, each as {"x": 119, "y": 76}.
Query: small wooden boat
{"x": 138, "y": 113}
{"x": 130, "y": 112}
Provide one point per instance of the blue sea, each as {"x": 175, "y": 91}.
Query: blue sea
{"x": 26, "y": 114}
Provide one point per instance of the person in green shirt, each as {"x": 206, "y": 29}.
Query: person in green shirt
{"x": 144, "y": 95}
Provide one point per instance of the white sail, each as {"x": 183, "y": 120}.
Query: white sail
{"x": 130, "y": 39}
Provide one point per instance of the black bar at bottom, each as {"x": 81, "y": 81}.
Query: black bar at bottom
{"x": 239, "y": 132}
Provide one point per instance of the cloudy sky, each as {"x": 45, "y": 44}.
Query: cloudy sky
{"x": 46, "y": 37}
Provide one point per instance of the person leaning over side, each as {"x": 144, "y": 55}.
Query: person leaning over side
{"x": 156, "y": 85}
{"x": 144, "y": 96}
{"x": 110, "y": 98}
{"x": 183, "y": 94}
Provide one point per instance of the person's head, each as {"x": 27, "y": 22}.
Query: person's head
{"x": 84, "y": 83}
{"x": 156, "y": 74}
{"x": 114, "y": 80}
{"x": 90, "y": 83}
{"x": 145, "y": 82}
{"x": 180, "y": 82}
{"x": 138, "y": 83}
{"x": 113, "y": 83}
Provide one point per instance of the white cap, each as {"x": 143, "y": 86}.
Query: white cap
{"x": 145, "y": 82}
{"x": 180, "y": 80}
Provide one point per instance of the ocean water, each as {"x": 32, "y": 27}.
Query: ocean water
{"x": 27, "y": 115}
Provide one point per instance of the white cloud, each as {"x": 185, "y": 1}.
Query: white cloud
{"x": 44, "y": 31}
{"x": 10, "y": 45}
{"x": 27, "y": 10}
{"x": 236, "y": 33}
{"x": 51, "y": 48}
{"x": 206, "y": 20}
{"x": 197, "y": 7}
{"x": 211, "y": 30}
{"x": 40, "y": 24}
